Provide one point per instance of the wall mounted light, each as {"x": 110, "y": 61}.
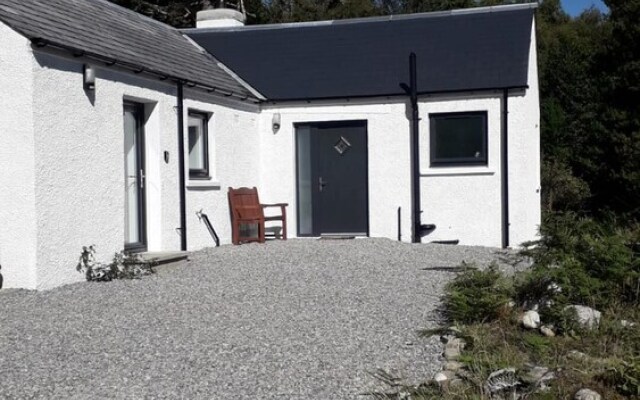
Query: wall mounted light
{"x": 89, "y": 77}
{"x": 277, "y": 118}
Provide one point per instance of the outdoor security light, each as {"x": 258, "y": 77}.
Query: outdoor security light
{"x": 89, "y": 77}
{"x": 276, "y": 122}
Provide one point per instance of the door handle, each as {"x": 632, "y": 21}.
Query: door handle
{"x": 142, "y": 179}
{"x": 321, "y": 184}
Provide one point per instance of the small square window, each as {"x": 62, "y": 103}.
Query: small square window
{"x": 198, "y": 146}
{"x": 458, "y": 139}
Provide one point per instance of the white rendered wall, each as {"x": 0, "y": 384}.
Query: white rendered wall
{"x": 233, "y": 162}
{"x": 463, "y": 202}
{"x": 62, "y": 171}
{"x": 80, "y": 165}
{"x": 17, "y": 182}
{"x": 389, "y": 169}
{"x": 524, "y": 157}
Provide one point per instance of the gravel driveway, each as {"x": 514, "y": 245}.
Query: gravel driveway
{"x": 302, "y": 319}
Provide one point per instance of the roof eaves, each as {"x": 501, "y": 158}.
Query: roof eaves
{"x": 40, "y": 43}
{"x": 397, "y": 94}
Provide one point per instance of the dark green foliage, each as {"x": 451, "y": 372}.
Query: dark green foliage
{"x": 590, "y": 104}
{"x": 561, "y": 189}
{"x": 625, "y": 376}
{"x": 591, "y": 262}
{"x": 477, "y": 296}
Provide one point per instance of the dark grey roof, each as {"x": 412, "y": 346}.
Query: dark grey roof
{"x": 100, "y": 28}
{"x": 456, "y": 51}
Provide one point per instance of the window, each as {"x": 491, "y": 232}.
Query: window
{"x": 198, "y": 146}
{"x": 458, "y": 139}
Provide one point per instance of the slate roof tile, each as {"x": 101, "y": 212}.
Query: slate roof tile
{"x": 105, "y": 29}
{"x": 369, "y": 57}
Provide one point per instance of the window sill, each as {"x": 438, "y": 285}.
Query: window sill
{"x": 458, "y": 171}
{"x": 203, "y": 185}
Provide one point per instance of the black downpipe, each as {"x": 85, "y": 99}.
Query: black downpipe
{"x": 415, "y": 150}
{"x": 183, "y": 195}
{"x": 505, "y": 168}
{"x": 418, "y": 230}
{"x": 399, "y": 224}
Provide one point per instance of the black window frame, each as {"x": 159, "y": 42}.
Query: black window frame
{"x": 200, "y": 173}
{"x": 455, "y": 162}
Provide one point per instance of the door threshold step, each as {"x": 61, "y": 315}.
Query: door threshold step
{"x": 337, "y": 237}
{"x": 165, "y": 257}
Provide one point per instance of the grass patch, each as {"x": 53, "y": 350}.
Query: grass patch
{"x": 577, "y": 262}
{"x": 478, "y": 296}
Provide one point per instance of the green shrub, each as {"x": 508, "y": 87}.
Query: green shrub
{"x": 594, "y": 263}
{"x": 625, "y": 377}
{"x": 477, "y": 296}
{"x": 123, "y": 266}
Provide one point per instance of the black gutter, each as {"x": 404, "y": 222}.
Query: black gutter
{"x": 137, "y": 69}
{"x": 274, "y": 101}
{"x": 504, "y": 147}
{"x": 181, "y": 169}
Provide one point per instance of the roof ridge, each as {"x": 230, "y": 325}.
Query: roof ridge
{"x": 385, "y": 18}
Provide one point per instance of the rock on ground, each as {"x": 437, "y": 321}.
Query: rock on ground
{"x": 530, "y": 320}
{"x": 587, "y": 317}
{"x": 587, "y": 394}
{"x": 302, "y": 319}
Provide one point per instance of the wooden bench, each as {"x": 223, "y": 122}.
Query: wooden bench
{"x": 245, "y": 209}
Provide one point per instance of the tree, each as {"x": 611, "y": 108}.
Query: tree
{"x": 570, "y": 92}
{"x": 619, "y": 182}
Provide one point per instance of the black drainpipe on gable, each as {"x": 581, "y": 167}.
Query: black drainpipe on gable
{"x": 505, "y": 168}
{"x": 415, "y": 148}
{"x": 418, "y": 230}
{"x": 183, "y": 201}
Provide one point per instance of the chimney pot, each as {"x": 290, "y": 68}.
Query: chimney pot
{"x": 219, "y": 18}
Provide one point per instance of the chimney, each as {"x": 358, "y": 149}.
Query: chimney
{"x": 219, "y": 17}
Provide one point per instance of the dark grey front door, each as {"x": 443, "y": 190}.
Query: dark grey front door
{"x": 332, "y": 178}
{"x": 134, "y": 179}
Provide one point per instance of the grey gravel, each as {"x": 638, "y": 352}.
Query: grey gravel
{"x": 302, "y": 319}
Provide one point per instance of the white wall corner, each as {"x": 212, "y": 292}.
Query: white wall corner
{"x": 18, "y": 236}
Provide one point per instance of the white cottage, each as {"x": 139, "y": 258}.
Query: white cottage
{"x": 117, "y": 129}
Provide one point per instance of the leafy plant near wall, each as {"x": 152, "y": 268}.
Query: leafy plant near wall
{"x": 123, "y": 266}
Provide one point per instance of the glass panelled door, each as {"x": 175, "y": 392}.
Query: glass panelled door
{"x": 332, "y": 175}
{"x": 134, "y": 179}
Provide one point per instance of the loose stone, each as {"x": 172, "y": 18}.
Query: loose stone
{"x": 530, "y": 320}
{"x": 587, "y": 394}
{"x": 453, "y": 366}
{"x": 547, "y": 331}
{"x": 587, "y": 317}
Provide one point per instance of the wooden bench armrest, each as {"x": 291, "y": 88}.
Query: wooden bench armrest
{"x": 275, "y": 205}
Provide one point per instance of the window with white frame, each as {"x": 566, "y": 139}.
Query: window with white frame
{"x": 198, "y": 145}
{"x": 458, "y": 139}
